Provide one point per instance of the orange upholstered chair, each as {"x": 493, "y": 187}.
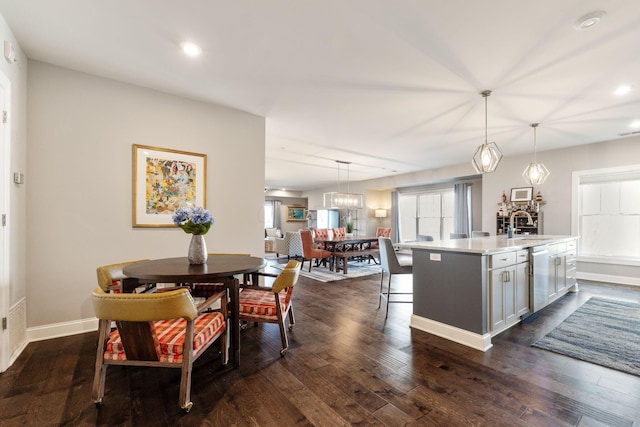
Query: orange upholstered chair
{"x": 339, "y": 232}
{"x": 383, "y": 232}
{"x": 321, "y": 233}
{"x": 156, "y": 329}
{"x": 309, "y": 252}
{"x": 272, "y": 305}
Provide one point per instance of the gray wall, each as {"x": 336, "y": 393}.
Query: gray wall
{"x": 79, "y": 200}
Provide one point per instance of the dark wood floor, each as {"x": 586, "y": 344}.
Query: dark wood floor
{"x": 345, "y": 366}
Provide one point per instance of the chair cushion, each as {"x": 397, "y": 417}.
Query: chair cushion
{"x": 261, "y": 304}
{"x": 169, "y": 335}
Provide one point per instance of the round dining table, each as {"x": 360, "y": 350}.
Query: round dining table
{"x": 217, "y": 269}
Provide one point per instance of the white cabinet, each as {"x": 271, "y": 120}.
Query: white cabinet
{"x": 508, "y": 288}
{"x": 562, "y": 269}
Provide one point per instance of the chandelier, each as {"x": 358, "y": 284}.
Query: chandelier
{"x": 487, "y": 155}
{"x": 340, "y": 200}
{"x": 536, "y": 173}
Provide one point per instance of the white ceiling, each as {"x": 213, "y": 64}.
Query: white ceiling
{"x": 391, "y": 86}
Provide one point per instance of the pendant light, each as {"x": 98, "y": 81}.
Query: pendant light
{"x": 340, "y": 200}
{"x": 536, "y": 173}
{"x": 488, "y": 155}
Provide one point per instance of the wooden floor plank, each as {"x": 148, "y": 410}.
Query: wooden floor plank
{"x": 346, "y": 365}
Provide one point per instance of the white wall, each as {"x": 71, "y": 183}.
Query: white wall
{"x": 81, "y": 131}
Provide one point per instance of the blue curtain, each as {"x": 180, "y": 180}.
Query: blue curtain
{"x": 276, "y": 213}
{"x": 395, "y": 218}
{"x": 462, "y": 208}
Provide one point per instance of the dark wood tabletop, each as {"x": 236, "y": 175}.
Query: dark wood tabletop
{"x": 217, "y": 269}
{"x": 178, "y": 270}
{"x": 342, "y": 244}
{"x": 347, "y": 240}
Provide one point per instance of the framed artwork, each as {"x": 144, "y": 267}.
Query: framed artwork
{"x": 164, "y": 180}
{"x": 522, "y": 194}
{"x": 295, "y": 213}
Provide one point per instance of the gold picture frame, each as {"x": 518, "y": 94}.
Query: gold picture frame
{"x": 164, "y": 180}
{"x": 296, "y": 213}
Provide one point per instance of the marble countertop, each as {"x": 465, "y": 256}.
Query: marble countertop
{"x": 487, "y": 245}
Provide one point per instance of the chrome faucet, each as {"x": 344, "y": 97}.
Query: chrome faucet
{"x": 529, "y": 219}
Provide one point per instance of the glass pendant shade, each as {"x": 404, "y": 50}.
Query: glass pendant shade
{"x": 336, "y": 200}
{"x": 488, "y": 155}
{"x": 341, "y": 200}
{"x": 536, "y": 173}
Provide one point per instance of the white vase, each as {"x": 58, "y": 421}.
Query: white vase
{"x": 197, "y": 250}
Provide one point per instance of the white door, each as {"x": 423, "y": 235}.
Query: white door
{"x": 5, "y": 352}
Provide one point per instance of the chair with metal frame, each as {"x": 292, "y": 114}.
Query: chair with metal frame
{"x": 458, "y": 236}
{"x": 110, "y": 276}
{"x": 157, "y": 330}
{"x": 391, "y": 266}
{"x": 272, "y": 304}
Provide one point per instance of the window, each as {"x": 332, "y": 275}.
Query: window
{"x": 269, "y": 217}
{"x": 607, "y": 212}
{"x": 427, "y": 213}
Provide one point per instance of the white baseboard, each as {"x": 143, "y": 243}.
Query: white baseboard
{"x": 607, "y": 278}
{"x": 63, "y": 329}
{"x": 470, "y": 339}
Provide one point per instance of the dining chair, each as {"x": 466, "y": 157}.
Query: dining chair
{"x": 310, "y": 253}
{"x": 110, "y": 276}
{"x": 320, "y": 233}
{"x": 272, "y": 304}
{"x": 480, "y": 233}
{"x": 391, "y": 266}
{"x": 159, "y": 330}
{"x": 458, "y": 236}
{"x": 425, "y": 238}
{"x": 339, "y": 232}
{"x": 381, "y": 232}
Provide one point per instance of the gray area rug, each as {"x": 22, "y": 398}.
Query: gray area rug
{"x": 322, "y": 274}
{"x": 602, "y": 331}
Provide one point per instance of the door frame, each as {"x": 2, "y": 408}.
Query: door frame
{"x": 5, "y": 188}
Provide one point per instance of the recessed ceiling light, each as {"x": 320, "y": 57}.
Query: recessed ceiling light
{"x": 589, "y": 20}
{"x": 635, "y": 124}
{"x": 622, "y": 90}
{"x": 191, "y": 49}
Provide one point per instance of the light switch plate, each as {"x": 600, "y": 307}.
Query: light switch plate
{"x": 434, "y": 257}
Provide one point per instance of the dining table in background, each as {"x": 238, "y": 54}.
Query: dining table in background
{"x": 348, "y": 247}
{"x": 217, "y": 269}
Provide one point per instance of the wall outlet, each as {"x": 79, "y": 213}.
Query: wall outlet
{"x": 18, "y": 178}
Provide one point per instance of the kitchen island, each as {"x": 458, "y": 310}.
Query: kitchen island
{"x": 468, "y": 290}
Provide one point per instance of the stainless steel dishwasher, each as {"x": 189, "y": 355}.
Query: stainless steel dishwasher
{"x": 539, "y": 286}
